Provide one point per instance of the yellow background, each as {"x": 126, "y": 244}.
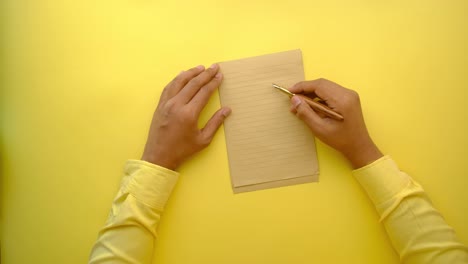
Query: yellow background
{"x": 80, "y": 80}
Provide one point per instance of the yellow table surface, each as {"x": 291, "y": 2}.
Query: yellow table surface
{"x": 80, "y": 80}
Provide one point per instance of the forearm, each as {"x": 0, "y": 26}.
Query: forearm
{"x": 417, "y": 230}
{"x": 130, "y": 231}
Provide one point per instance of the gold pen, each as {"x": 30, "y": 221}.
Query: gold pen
{"x": 315, "y": 105}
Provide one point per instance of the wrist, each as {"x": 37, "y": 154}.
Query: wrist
{"x": 363, "y": 153}
{"x": 160, "y": 160}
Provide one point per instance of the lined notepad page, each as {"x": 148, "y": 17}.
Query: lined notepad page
{"x": 267, "y": 145}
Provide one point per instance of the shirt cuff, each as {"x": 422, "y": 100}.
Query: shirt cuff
{"x": 149, "y": 183}
{"x": 382, "y": 179}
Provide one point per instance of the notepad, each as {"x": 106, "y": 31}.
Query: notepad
{"x": 267, "y": 145}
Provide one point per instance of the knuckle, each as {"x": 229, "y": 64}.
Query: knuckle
{"x": 300, "y": 112}
{"x": 168, "y": 110}
{"x": 166, "y": 88}
{"x": 321, "y": 81}
{"x": 217, "y": 79}
{"x": 352, "y": 98}
{"x": 210, "y": 71}
{"x": 195, "y": 82}
{"x": 209, "y": 87}
{"x": 355, "y": 96}
{"x": 181, "y": 79}
{"x": 191, "y": 72}
{"x": 164, "y": 92}
{"x": 189, "y": 116}
{"x": 169, "y": 105}
{"x": 204, "y": 89}
{"x": 300, "y": 84}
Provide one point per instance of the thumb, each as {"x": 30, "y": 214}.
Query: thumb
{"x": 306, "y": 113}
{"x": 214, "y": 123}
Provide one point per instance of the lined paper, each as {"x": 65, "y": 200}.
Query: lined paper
{"x": 267, "y": 145}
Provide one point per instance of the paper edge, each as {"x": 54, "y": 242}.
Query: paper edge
{"x": 266, "y": 54}
{"x": 276, "y": 184}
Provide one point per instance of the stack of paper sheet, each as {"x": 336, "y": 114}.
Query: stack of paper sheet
{"x": 267, "y": 145}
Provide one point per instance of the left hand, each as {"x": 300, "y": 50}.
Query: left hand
{"x": 174, "y": 134}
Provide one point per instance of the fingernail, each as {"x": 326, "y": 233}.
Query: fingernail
{"x": 296, "y": 101}
{"x": 227, "y": 112}
{"x": 218, "y": 75}
{"x": 200, "y": 67}
{"x": 214, "y": 66}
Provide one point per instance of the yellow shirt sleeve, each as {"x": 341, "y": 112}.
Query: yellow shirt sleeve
{"x": 130, "y": 231}
{"x": 418, "y": 231}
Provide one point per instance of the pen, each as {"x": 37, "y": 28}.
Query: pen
{"x": 315, "y": 105}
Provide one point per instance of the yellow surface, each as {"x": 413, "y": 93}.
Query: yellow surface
{"x": 80, "y": 80}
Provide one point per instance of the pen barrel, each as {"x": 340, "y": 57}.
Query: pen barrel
{"x": 321, "y": 108}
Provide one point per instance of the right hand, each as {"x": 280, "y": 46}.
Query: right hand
{"x": 349, "y": 136}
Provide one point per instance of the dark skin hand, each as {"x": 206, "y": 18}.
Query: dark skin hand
{"x": 348, "y": 136}
{"x": 174, "y": 134}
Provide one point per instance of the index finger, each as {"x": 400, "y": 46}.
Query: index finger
{"x": 323, "y": 88}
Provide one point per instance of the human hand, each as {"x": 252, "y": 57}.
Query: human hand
{"x": 349, "y": 136}
{"x": 174, "y": 134}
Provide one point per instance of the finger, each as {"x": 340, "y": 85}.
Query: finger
{"x": 292, "y": 109}
{"x": 197, "y": 83}
{"x": 320, "y": 114}
{"x": 307, "y": 114}
{"x": 181, "y": 80}
{"x": 322, "y": 88}
{"x": 213, "y": 124}
{"x": 203, "y": 95}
